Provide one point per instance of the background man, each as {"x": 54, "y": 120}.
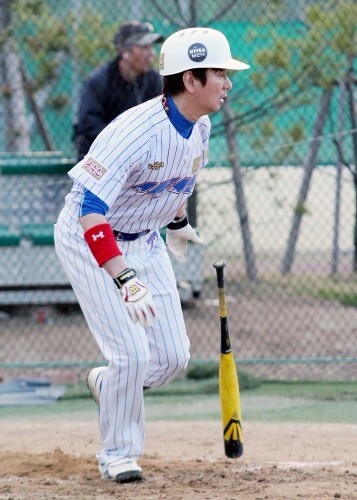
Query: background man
{"x": 118, "y": 85}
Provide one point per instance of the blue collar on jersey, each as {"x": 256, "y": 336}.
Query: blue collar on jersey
{"x": 182, "y": 125}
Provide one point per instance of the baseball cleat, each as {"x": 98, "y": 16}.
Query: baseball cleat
{"x": 94, "y": 382}
{"x": 121, "y": 471}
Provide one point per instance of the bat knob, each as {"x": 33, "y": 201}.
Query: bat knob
{"x": 233, "y": 449}
{"x": 219, "y": 264}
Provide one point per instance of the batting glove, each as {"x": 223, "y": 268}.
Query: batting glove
{"x": 178, "y": 234}
{"x": 137, "y": 298}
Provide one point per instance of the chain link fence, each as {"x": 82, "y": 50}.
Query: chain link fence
{"x": 277, "y": 200}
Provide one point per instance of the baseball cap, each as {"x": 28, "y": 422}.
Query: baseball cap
{"x": 135, "y": 33}
{"x": 197, "y": 48}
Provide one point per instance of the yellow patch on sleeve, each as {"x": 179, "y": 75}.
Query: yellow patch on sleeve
{"x": 196, "y": 165}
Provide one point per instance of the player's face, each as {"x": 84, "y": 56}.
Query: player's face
{"x": 141, "y": 58}
{"x": 213, "y": 94}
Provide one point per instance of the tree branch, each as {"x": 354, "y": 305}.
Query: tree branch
{"x": 165, "y": 15}
{"x": 340, "y": 155}
{"x": 36, "y": 111}
{"x": 181, "y": 13}
{"x": 221, "y": 12}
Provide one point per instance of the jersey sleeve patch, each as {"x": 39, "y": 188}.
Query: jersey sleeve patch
{"x": 196, "y": 165}
{"x": 95, "y": 169}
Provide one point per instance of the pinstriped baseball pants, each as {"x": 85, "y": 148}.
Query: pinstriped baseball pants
{"x": 137, "y": 357}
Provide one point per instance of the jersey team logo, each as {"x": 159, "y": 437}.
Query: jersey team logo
{"x": 152, "y": 239}
{"x": 94, "y": 168}
{"x": 174, "y": 185}
{"x": 156, "y": 165}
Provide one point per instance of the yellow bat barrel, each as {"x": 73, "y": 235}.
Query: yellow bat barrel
{"x": 230, "y": 406}
{"x": 228, "y": 379}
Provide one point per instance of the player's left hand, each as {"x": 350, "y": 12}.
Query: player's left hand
{"x": 177, "y": 240}
{"x": 137, "y": 298}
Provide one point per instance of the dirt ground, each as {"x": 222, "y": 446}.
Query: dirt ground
{"x": 42, "y": 459}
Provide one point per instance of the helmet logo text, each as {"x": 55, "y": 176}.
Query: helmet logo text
{"x": 197, "y": 52}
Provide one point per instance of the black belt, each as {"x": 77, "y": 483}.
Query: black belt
{"x": 129, "y": 236}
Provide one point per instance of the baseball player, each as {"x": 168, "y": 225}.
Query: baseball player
{"x": 136, "y": 179}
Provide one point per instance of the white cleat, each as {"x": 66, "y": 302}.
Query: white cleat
{"x": 94, "y": 382}
{"x": 122, "y": 471}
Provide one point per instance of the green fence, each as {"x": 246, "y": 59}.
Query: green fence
{"x": 276, "y": 103}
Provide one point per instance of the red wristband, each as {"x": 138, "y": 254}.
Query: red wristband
{"x": 102, "y": 243}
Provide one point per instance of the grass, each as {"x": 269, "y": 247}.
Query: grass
{"x": 271, "y": 401}
{"x": 86, "y": 407}
{"x": 194, "y": 396}
{"x": 345, "y": 298}
{"x": 201, "y": 379}
{"x": 319, "y": 391}
{"x": 187, "y": 399}
{"x": 266, "y": 404}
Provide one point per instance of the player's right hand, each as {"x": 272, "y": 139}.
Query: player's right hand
{"x": 177, "y": 240}
{"x": 137, "y": 298}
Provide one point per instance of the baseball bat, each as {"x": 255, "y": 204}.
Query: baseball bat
{"x": 228, "y": 378}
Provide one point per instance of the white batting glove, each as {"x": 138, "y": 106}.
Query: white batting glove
{"x": 137, "y": 298}
{"x": 177, "y": 239}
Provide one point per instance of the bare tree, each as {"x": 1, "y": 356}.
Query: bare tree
{"x": 231, "y": 135}
{"x": 304, "y": 189}
{"x": 18, "y": 134}
{"x": 339, "y": 167}
{"x": 312, "y": 60}
{"x": 350, "y": 82}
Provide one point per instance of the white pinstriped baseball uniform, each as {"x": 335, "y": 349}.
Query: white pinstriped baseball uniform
{"x": 144, "y": 170}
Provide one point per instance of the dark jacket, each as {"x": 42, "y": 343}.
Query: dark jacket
{"x": 105, "y": 94}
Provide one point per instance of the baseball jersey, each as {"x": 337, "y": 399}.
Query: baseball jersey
{"x": 142, "y": 168}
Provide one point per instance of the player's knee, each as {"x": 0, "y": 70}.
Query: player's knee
{"x": 134, "y": 357}
{"x": 184, "y": 361}
{"x": 178, "y": 363}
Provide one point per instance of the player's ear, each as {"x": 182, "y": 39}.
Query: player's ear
{"x": 189, "y": 81}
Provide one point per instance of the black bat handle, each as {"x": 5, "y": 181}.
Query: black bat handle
{"x": 219, "y": 265}
{"x": 225, "y": 340}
